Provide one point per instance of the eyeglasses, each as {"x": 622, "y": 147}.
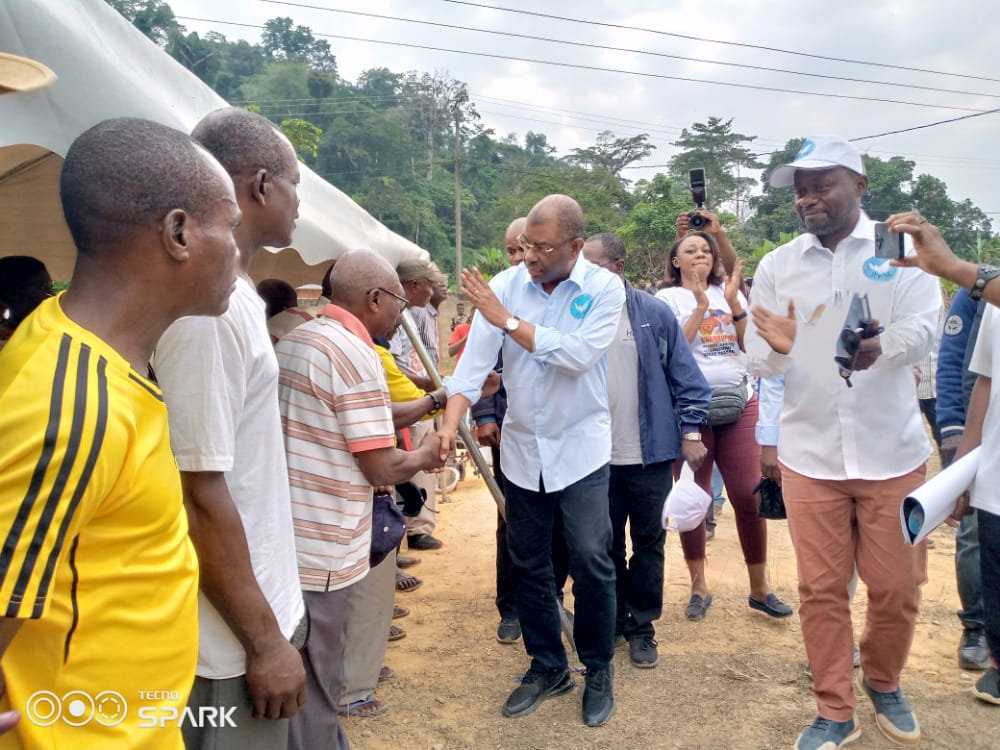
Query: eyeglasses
{"x": 608, "y": 264}
{"x": 403, "y": 302}
{"x": 526, "y": 246}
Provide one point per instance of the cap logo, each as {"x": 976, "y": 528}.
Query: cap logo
{"x": 807, "y": 148}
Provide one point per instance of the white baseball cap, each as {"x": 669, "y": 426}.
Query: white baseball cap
{"x": 819, "y": 152}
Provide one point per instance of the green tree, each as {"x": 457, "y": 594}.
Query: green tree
{"x": 303, "y": 135}
{"x": 888, "y": 186}
{"x": 774, "y": 208}
{"x": 725, "y": 158}
{"x": 282, "y": 42}
{"x": 612, "y": 154}
{"x": 153, "y": 18}
{"x": 651, "y": 226}
{"x": 962, "y": 224}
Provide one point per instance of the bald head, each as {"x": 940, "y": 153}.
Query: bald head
{"x": 512, "y": 241}
{"x": 244, "y": 142}
{"x": 562, "y": 210}
{"x": 514, "y": 230}
{"x": 356, "y": 273}
{"x": 123, "y": 176}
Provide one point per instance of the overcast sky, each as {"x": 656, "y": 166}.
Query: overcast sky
{"x": 572, "y": 105}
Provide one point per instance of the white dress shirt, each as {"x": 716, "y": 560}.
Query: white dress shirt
{"x": 829, "y": 431}
{"x": 557, "y": 426}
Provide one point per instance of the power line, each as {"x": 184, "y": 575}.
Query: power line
{"x": 580, "y": 66}
{"x": 928, "y": 125}
{"x": 589, "y": 45}
{"x": 720, "y": 41}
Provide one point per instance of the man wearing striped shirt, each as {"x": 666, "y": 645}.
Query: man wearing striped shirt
{"x": 340, "y": 442}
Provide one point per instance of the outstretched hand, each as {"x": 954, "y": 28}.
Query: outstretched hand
{"x": 776, "y": 329}
{"x": 733, "y": 283}
{"x": 476, "y": 289}
{"x": 699, "y": 288}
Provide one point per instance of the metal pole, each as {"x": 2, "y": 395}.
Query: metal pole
{"x": 463, "y": 428}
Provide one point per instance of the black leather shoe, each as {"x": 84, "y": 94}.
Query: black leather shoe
{"x": 423, "y": 541}
{"x": 972, "y": 650}
{"x": 535, "y": 687}
{"x": 598, "y": 696}
{"x": 771, "y": 606}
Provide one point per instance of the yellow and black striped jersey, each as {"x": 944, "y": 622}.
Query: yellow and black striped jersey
{"x": 96, "y": 562}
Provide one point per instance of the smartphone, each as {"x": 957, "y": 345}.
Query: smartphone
{"x": 888, "y": 244}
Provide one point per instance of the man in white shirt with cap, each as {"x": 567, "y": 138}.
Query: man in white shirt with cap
{"x": 842, "y": 479}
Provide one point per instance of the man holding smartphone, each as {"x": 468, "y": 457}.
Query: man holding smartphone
{"x": 841, "y": 479}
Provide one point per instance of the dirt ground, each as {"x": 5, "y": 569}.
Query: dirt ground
{"x": 734, "y": 680}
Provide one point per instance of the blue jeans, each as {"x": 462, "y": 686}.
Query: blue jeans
{"x": 968, "y": 573}
{"x": 587, "y": 531}
{"x": 636, "y": 495}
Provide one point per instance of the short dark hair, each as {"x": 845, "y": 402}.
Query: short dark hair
{"x": 15, "y": 272}
{"x": 718, "y": 274}
{"x": 244, "y": 141}
{"x": 278, "y": 295}
{"x": 611, "y": 244}
{"x": 126, "y": 173}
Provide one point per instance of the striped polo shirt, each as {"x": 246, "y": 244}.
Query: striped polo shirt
{"x": 334, "y": 403}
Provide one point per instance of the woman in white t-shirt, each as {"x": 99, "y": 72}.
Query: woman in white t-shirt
{"x": 713, "y": 311}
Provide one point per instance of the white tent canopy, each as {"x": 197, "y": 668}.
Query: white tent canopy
{"x": 107, "y": 68}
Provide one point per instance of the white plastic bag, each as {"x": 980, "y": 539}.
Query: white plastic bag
{"x": 686, "y": 505}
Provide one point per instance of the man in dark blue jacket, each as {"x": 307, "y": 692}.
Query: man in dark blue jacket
{"x": 659, "y": 400}
{"x": 954, "y": 387}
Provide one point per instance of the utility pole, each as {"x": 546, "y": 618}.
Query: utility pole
{"x": 461, "y": 97}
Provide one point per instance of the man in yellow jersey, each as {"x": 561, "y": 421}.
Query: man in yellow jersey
{"x": 98, "y": 579}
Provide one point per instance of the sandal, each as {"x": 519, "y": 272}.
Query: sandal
{"x": 396, "y": 633}
{"x": 362, "y": 709}
{"x": 406, "y": 582}
{"x": 386, "y": 674}
{"x": 399, "y": 612}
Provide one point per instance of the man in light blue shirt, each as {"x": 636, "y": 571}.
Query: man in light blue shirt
{"x": 553, "y": 317}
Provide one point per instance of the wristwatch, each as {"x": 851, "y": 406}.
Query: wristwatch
{"x": 985, "y": 275}
{"x": 512, "y": 323}
{"x": 694, "y": 437}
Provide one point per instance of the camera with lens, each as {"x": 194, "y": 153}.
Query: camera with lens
{"x": 696, "y": 178}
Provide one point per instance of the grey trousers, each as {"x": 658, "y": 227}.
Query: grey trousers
{"x": 248, "y": 734}
{"x": 316, "y": 726}
{"x": 369, "y": 615}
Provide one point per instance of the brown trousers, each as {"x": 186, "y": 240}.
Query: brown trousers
{"x": 836, "y": 524}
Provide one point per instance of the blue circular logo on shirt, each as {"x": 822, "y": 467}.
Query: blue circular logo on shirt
{"x": 580, "y": 306}
{"x": 807, "y": 148}
{"x": 878, "y": 269}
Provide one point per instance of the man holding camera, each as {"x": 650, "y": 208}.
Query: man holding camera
{"x": 842, "y": 481}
